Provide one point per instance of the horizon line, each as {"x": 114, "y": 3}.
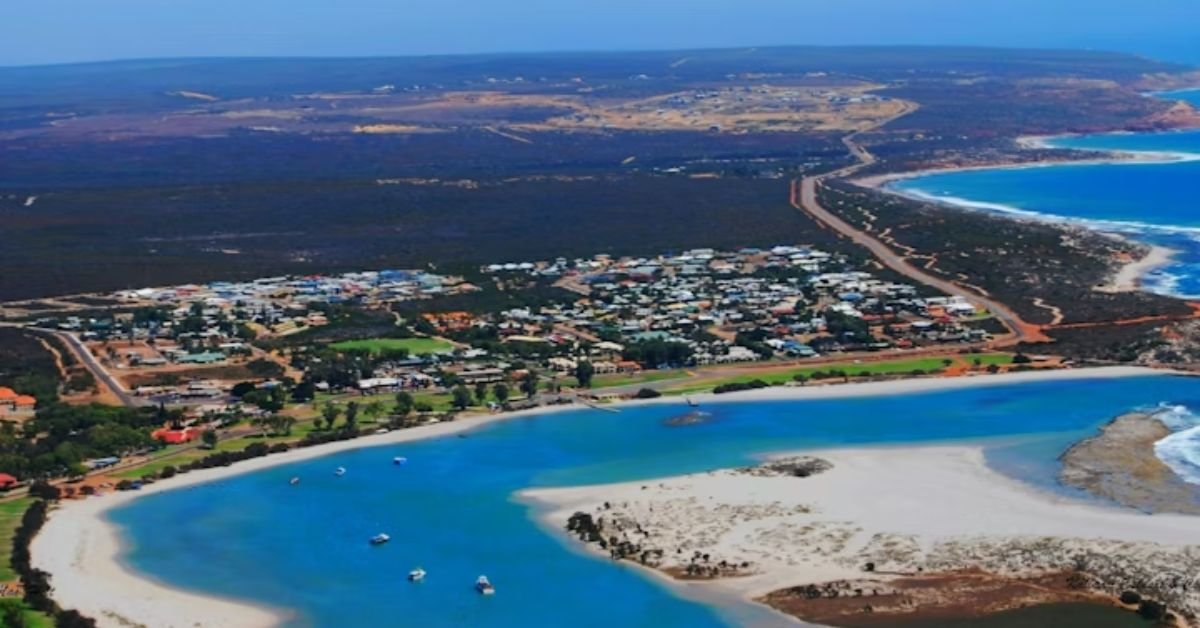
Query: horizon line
{"x": 593, "y": 51}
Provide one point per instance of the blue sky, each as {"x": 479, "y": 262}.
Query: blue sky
{"x": 56, "y": 31}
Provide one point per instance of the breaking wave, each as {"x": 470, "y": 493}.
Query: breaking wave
{"x": 1181, "y": 449}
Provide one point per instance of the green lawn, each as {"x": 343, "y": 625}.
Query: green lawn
{"x": 10, "y": 519}
{"x": 621, "y": 379}
{"x": 889, "y": 367}
{"x": 414, "y": 346}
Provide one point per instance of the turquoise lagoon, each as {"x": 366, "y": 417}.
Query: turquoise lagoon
{"x": 452, "y": 509}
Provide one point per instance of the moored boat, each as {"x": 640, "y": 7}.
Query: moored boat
{"x": 340, "y": 471}
{"x": 398, "y": 460}
{"x": 294, "y": 481}
{"x": 416, "y": 575}
{"x": 380, "y": 539}
{"x": 484, "y": 586}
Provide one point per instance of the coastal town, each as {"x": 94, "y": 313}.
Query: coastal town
{"x": 713, "y": 336}
{"x": 630, "y": 316}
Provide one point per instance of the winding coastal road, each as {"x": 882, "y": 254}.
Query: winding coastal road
{"x": 804, "y": 198}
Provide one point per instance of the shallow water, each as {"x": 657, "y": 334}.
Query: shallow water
{"x": 450, "y": 509}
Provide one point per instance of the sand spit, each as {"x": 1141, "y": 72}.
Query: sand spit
{"x": 1120, "y": 464}
{"x": 905, "y": 512}
{"x": 81, "y": 549}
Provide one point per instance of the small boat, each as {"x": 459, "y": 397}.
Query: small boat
{"x": 340, "y": 471}
{"x": 380, "y": 539}
{"x": 691, "y": 404}
{"x": 399, "y": 460}
{"x": 416, "y": 575}
{"x": 483, "y": 586}
{"x": 294, "y": 481}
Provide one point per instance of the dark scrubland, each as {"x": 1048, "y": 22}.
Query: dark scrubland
{"x": 135, "y": 192}
{"x": 1017, "y": 261}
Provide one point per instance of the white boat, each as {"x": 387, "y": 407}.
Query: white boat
{"x": 416, "y": 575}
{"x": 340, "y": 471}
{"x": 294, "y": 481}
{"x": 399, "y": 460}
{"x": 380, "y": 539}
{"x": 483, "y": 586}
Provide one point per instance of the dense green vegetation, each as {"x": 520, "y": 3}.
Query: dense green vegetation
{"x": 68, "y": 435}
{"x": 26, "y": 366}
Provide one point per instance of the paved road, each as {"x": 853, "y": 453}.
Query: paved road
{"x": 98, "y": 371}
{"x": 804, "y": 198}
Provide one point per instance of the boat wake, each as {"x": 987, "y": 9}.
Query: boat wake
{"x": 1181, "y": 449}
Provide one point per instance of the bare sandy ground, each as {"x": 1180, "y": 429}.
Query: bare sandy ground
{"x": 1129, "y": 277}
{"x": 81, "y": 549}
{"x": 937, "y": 508}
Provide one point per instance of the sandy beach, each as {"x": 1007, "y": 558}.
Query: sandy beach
{"x": 1129, "y": 277}
{"x": 903, "y": 509}
{"x": 880, "y": 181}
{"x": 81, "y": 549}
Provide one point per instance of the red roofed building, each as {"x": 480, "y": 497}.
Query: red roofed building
{"x": 13, "y": 405}
{"x": 176, "y": 437}
{"x": 7, "y": 481}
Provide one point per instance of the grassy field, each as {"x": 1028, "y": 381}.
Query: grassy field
{"x": 609, "y": 381}
{"x": 865, "y": 369}
{"x": 10, "y": 519}
{"x": 414, "y": 346}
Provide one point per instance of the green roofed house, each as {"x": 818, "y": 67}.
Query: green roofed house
{"x": 208, "y": 357}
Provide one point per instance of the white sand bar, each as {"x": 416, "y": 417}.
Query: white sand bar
{"x": 940, "y": 508}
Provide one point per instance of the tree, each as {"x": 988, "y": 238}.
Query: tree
{"x": 44, "y": 490}
{"x": 240, "y": 389}
{"x": 330, "y": 412}
{"x": 583, "y": 373}
{"x": 373, "y": 409}
{"x": 304, "y": 391}
{"x": 647, "y": 393}
{"x": 461, "y": 397}
{"x": 500, "y": 391}
{"x": 281, "y": 424}
{"x": 480, "y": 392}
{"x": 351, "y": 416}
{"x": 404, "y": 403}
{"x": 73, "y": 619}
{"x": 529, "y": 385}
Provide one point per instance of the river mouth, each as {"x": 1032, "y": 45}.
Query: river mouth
{"x": 450, "y": 509}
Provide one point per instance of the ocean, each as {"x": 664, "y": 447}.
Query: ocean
{"x": 1156, "y": 203}
{"x": 451, "y": 509}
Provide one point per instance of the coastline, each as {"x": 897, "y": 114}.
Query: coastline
{"x": 1130, "y": 276}
{"x": 873, "y": 507}
{"x": 81, "y": 549}
{"x": 1032, "y": 142}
